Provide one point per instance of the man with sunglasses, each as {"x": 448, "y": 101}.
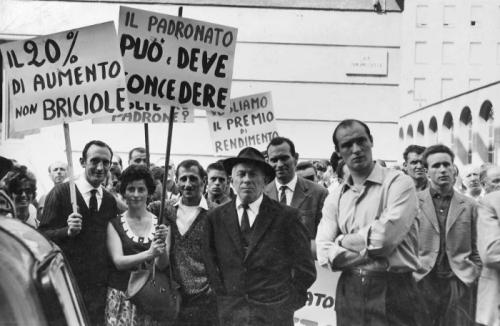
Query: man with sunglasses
{"x": 81, "y": 235}
{"x": 291, "y": 190}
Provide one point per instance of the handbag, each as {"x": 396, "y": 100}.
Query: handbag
{"x": 155, "y": 293}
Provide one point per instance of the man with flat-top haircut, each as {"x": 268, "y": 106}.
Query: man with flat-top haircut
{"x": 369, "y": 232}
{"x": 82, "y": 235}
{"x": 414, "y": 166}
{"x": 447, "y": 244}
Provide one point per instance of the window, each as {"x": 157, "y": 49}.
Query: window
{"x": 448, "y": 54}
{"x": 422, "y": 16}
{"x": 421, "y": 52}
{"x": 449, "y": 16}
{"x": 474, "y": 83}
{"x": 475, "y": 53}
{"x": 476, "y": 19}
{"x": 418, "y": 89}
{"x": 446, "y": 87}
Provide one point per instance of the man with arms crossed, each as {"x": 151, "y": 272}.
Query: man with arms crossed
{"x": 369, "y": 232}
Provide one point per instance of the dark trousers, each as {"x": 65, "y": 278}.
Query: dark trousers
{"x": 94, "y": 299}
{"x": 198, "y": 311}
{"x": 449, "y": 302}
{"x": 380, "y": 299}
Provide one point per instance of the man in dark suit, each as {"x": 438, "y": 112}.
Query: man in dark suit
{"x": 447, "y": 243}
{"x": 292, "y": 190}
{"x": 260, "y": 263}
{"x": 82, "y": 235}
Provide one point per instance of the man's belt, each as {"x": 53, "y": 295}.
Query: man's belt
{"x": 360, "y": 272}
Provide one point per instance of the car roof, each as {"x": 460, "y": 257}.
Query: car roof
{"x": 17, "y": 237}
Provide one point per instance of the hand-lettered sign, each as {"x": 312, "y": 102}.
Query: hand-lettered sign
{"x": 249, "y": 121}
{"x": 63, "y": 77}
{"x": 320, "y": 305}
{"x": 175, "y": 61}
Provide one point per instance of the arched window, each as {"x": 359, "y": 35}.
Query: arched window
{"x": 486, "y": 114}
{"x": 433, "y": 132}
{"x": 447, "y": 137}
{"x": 409, "y": 132}
{"x": 420, "y": 133}
{"x": 466, "y": 127}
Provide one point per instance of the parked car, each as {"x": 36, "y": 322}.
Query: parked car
{"x": 36, "y": 283}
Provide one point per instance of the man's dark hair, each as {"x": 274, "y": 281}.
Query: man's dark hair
{"x": 97, "y": 143}
{"x": 135, "y": 173}
{"x": 413, "y": 149}
{"x": 280, "y": 140}
{"x": 439, "y": 148}
{"x": 136, "y": 149}
{"x": 186, "y": 164}
{"x": 158, "y": 173}
{"x": 216, "y": 166}
{"x": 305, "y": 165}
{"x": 340, "y": 170}
{"x": 349, "y": 123}
{"x": 334, "y": 160}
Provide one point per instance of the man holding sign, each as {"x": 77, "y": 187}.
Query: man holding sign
{"x": 81, "y": 235}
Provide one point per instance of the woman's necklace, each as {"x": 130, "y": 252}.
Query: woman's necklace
{"x": 130, "y": 233}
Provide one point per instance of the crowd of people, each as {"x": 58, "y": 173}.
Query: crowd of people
{"x": 417, "y": 244}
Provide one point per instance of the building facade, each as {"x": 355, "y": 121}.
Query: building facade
{"x": 450, "y": 73}
{"x": 323, "y": 61}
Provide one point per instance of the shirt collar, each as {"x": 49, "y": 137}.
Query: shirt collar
{"x": 376, "y": 176}
{"x": 291, "y": 185}
{"x": 203, "y": 203}
{"x": 435, "y": 193}
{"x": 85, "y": 187}
{"x": 254, "y": 207}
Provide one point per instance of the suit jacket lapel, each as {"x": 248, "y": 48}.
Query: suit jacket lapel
{"x": 456, "y": 209}
{"x": 261, "y": 224}
{"x": 230, "y": 221}
{"x": 300, "y": 193}
{"x": 427, "y": 207}
{"x": 271, "y": 190}
{"x": 82, "y": 205}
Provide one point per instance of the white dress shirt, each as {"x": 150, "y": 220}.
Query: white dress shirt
{"x": 290, "y": 188}
{"x": 85, "y": 188}
{"x": 252, "y": 211}
{"x": 187, "y": 214}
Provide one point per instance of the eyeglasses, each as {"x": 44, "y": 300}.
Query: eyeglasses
{"x": 19, "y": 192}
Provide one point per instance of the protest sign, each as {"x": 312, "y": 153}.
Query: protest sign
{"x": 320, "y": 305}
{"x": 249, "y": 121}
{"x": 183, "y": 115}
{"x": 175, "y": 61}
{"x": 63, "y": 77}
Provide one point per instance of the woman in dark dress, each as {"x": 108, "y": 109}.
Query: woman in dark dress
{"x": 133, "y": 238}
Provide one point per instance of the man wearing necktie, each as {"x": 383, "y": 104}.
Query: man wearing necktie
{"x": 260, "y": 264}
{"x": 81, "y": 235}
{"x": 292, "y": 190}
